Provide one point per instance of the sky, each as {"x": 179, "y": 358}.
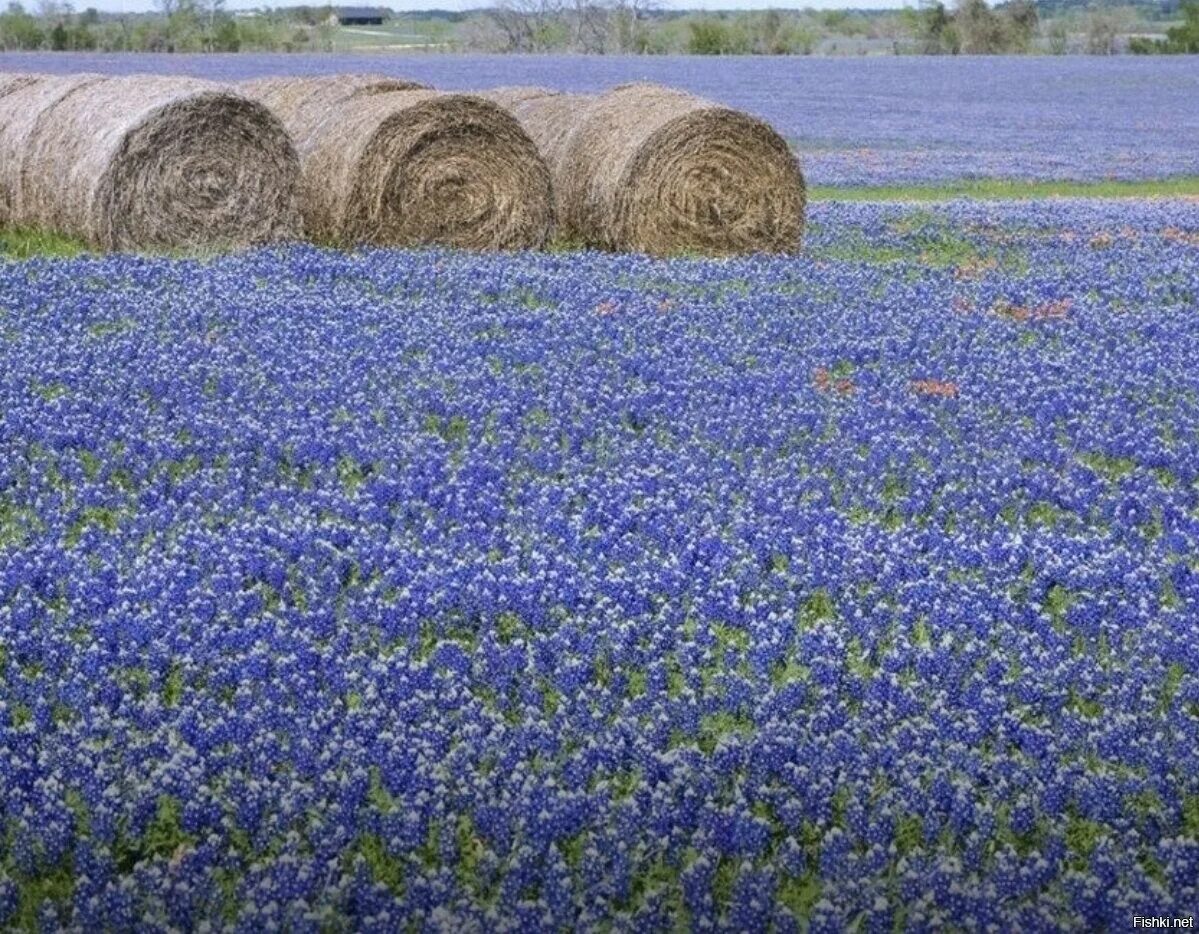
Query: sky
{"x": 134, "y": 6}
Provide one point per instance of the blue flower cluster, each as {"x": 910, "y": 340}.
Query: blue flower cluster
{"x": 493, "y": 593}
{"x": 853, "y": 120}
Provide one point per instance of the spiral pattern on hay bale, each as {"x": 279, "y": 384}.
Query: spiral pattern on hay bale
{"x": 411, "y": 167}
{"x": 149, "y": 162}
{"x": 655, "y": 170}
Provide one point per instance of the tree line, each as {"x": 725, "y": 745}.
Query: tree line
{"x": 624, "y": 27}
{"x": 176, "y": 26}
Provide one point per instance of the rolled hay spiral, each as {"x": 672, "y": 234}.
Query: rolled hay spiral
{"x": 150, "y": 162}
{"x": 651, "y": 169}
{"x": 412, "y": 166}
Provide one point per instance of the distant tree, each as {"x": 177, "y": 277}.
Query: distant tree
{"x": 226, "y": 37}
{"x": 212, "y": 15}
{"x": 527, "y": 25}
{"x": 630, "y": 24}
{"x": 1143, "y": 45}
{"x": 1103, "y": 26}
{"x": 60, "y": 39}
{"x": 770, "y": 33}
{"x": 934, "y": 28}
{"x": 590, "y": 24}
{"x": 258, "y": 32}
{"x": 80, "y": 38}
{"x": 834, "y": 20}
{"x": 324, "y": 33}
{"x": 19, "y": 29}
{"x": 149, "y": 34}
{"x": 979, "y": 27}
{"x": 1185, "y": 38}
{"x": 294, "y": 39}
{"x": 1059, "y": 37}
{"x": 1020, "y": 21}
{"x": 708, "y": 37}
{"x": 776, "y": 33}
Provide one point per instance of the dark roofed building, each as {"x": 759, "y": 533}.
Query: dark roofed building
{"x": 360, "y": 15}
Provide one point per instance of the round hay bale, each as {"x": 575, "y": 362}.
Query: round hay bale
{"x": 650, "y": 169}
{"x": 23, "y": 100}
{"x": 414, "y": 167}
{"x": 548, "y": 117}
{"x": 304, "y": 104}
{"x": 161, "y": 163}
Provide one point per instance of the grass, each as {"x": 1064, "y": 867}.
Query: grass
{"x": 408, "y": 35}
{"x": 992, "y": 189}
{"x": 923, "y": 237}
{"x": 24, "y": 244}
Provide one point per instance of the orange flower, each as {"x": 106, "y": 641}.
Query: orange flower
{"x": 1056, "y": 309}
{"x": 824, "y": 381}
{"x": 937, "y": 388}
{"x": 975, "y": 268}
{"x": 1175, "y": 235}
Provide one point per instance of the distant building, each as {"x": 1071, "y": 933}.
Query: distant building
{"x": 359, "y": 15}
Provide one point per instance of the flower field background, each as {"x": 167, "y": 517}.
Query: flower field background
{"x": 869, "y": 121}
{"x": 493, "y": 592}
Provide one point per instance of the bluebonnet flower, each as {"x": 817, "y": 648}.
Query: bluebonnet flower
{"x": 406, "y": 586}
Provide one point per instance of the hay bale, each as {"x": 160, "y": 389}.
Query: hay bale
{"x": 548, "y": 117}
{"x": 10, "y": 82}
{"x": 411, "y": 167}
{"x": 304, "y": 104}
{"x": 655, "y": 170}
{"x": 159, "y": 162}
{"x": 23, "y": 100}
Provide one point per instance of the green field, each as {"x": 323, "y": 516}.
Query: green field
{"x": 406, "y": 36}
{"x": 24, "y": 244}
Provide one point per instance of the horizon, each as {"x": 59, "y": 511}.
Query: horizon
{"x": 466, "y": 6}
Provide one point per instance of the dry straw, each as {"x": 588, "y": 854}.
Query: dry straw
{"x": 409, "y": 166}
{"x": 10, "y": 82}
{"x": 23, "y": 100}
{"x": 656, "y": 170}
{"x": 147, "y": 162}
{"x": 305, "y": 104}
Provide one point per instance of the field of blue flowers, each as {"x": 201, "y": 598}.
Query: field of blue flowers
{"x": 475, "y": 592}
{"x": 854, "y": 121}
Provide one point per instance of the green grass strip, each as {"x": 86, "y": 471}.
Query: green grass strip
{"x": 1000, "y": 188}
{"x": 24, "y": 244}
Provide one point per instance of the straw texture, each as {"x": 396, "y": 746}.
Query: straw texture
{"x": 650, "y": 169}
{"x": 10, "y": 81}
{"x": 411, "y": 167}
{"x": 305, "y": 104}
{"x": 24, "y": 98}
{"x": 148, "y": 162}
